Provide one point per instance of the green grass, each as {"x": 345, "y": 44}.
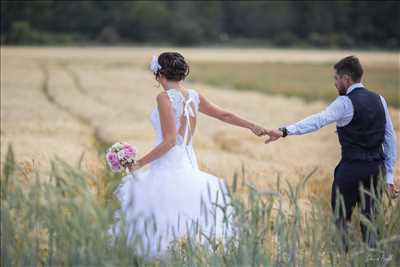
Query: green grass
{"x": 308, "y": 81}
{"x": 63, "y": 222}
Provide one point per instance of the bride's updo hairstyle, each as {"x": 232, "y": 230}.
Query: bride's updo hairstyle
{"x": 173, "y": 66}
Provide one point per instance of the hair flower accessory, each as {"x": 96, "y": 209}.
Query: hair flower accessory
{"x": 154, "y": 65}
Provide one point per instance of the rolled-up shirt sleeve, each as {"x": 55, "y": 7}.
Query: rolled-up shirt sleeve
{"x": 389, "y": 145}
{"x": 339, "y": 110}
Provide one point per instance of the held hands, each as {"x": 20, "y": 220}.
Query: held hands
{"x": 273, "y": 135}
{"x": 258, "y": 130}
{"x": 393, "y": 191}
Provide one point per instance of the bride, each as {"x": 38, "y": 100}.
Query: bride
{"x": 174, "y": 199}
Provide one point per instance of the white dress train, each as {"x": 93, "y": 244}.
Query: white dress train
{"x": 174, "y": 198}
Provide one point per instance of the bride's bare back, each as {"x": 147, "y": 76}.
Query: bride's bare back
{"x": 188, "y": 123}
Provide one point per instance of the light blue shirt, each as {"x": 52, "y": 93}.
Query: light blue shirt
{"x": 341, "y": 111}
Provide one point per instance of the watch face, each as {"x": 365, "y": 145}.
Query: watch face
{"x": 284, "y": 131}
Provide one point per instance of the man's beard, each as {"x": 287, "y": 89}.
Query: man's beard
{"x": 342, "y": 91}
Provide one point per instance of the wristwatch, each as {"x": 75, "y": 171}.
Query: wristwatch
{"x": 284, "y": 131}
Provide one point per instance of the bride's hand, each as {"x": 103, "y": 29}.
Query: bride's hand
{"x": 134, "y": 166}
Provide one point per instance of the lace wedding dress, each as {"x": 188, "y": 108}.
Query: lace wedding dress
{"x": 173, "y": 199}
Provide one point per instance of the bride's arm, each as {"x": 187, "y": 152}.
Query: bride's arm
{"x": 168, "y": 127}
{"x": 213, "y": 110}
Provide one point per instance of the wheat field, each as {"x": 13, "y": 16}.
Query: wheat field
{"x": 65, "y": 101}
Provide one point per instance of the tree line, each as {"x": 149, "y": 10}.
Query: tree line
{"x": 342, "y": 24}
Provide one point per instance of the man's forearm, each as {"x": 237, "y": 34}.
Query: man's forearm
{"x": 309, "y": 124}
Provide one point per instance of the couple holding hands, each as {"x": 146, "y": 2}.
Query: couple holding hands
{"x": 180, "y": 198}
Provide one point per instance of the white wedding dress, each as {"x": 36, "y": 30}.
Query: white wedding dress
{"x": 173, "y": 199}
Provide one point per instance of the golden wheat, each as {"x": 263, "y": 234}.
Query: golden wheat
{"x": 55, "y": 101}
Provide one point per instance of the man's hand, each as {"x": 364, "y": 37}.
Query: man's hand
{"x": 273, "y": 135}
{"x": 393, "y": 192}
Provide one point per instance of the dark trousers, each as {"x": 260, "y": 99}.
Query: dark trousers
{"x": 349, "y": 178}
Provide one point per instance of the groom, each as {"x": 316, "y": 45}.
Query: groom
{"x": 366, "y": 137}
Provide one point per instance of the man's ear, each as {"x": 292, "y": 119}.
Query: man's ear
{"x": 347, "y": 78}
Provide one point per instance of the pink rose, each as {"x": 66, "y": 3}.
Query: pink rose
{"x": 113, "y": 161}
{"x": 115, "y": 167}
{"x": 112, "y": 157}
{"x": 129, "y": 151}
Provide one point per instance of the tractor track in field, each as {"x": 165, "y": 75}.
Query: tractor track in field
{"x": 79, "y": 86}
{"x": 99, "y": 142}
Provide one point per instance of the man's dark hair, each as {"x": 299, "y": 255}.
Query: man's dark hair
{"x": 351, "y": 66}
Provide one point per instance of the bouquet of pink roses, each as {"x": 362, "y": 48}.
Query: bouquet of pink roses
{"x": 120, "y": 155}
